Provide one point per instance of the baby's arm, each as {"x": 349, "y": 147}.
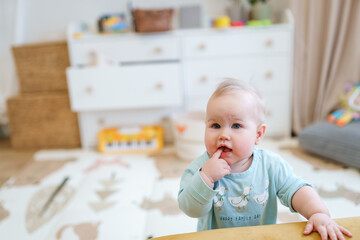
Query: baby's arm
{"x": 196, "y": 189}
{"x": 309, "y": 204}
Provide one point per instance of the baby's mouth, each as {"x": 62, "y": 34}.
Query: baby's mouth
{"x": 225, "y": 149}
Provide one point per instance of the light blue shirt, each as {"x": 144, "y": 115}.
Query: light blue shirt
{"x": 239, "y": 199}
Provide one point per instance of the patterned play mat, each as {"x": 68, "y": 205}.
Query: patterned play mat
{"x": 134, "y": 196}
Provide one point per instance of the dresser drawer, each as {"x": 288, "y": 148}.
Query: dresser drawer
{"x": 236, "y": 43}
{"x": 267, "y": 74}
{"x": 134, "y": 49}
{"x": 152, "y": 85}
{"x": 277, "y": 116}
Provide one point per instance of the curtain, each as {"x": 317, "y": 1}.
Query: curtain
{"x": 326, "y": 56}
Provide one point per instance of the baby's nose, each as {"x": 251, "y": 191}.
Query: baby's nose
{"x": 224, "y": 135}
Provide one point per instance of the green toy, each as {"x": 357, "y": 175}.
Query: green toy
{"x": 259, "y": 23}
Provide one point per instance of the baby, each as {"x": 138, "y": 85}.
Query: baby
{"x": 235, "y": 184}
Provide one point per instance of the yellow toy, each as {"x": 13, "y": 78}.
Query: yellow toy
{"x": 146, "y": 139}
{"x": 350, "y": 110}
{"x": 222, "y": 22}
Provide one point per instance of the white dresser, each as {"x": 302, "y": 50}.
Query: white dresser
{"x": 260, "y": 56}
{"x": 159, "y": 74}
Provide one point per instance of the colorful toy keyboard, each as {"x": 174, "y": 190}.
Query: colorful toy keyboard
{"x": 146, "y": 139}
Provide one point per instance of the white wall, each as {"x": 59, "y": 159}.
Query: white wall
{"x": 46, "y": 20}
{"x": 8, "y": 83}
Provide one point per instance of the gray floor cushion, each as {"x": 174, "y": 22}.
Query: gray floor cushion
{"x": 341, "y": 144}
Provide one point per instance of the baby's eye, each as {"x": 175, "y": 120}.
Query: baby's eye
{"x": 215, "y": 125}
{"x": 236, "y": 126}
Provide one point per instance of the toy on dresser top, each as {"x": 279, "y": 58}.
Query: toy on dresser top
{"x": 146, "y": 139}
{"x": 350, "y": 101}
{"x": 113, "y": 23}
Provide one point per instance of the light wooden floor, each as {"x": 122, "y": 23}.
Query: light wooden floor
{"x": 11, "y": 161}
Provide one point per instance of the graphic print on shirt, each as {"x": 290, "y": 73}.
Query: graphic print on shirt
{"x": 219, "y": 198}
{"x": 241, "y": 201}
{"x": 262, "y": 198}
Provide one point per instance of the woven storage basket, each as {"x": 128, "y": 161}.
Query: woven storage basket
{"x": 42, "y": 67}
{"x": 42, "y": 121}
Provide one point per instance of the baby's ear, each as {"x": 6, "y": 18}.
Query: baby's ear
{"x": 260, "y": 133}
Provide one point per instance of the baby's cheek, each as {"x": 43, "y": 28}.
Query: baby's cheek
{"x": 243, "y": 148}
{"x": 209, "y": 146}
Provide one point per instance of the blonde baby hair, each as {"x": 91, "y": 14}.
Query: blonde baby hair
{"x": 231, "y": 85}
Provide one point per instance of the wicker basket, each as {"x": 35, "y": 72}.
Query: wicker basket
{"x": 42, "y": 121}
{"x": 146, "y": 21}
{"x": 42, "y": 67}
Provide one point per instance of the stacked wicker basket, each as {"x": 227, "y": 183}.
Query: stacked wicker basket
{"x": 40, "y": 116}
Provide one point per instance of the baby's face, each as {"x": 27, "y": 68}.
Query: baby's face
{"x": 232, "y": 125}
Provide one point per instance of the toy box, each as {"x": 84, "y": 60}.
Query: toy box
{"x": 146, "y": 139}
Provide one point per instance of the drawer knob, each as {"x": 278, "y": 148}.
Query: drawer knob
{"x": 159, "y": 86}
{"x": 268, "y": 113}
{"x": 268, "y": 75}
{"x": 101, "y": 121}
{"x": 269, "y": 43}
{"x": 202, "y": 46}
{"x": 89, "y": 89}
{"x": 203, "y": 79}
{"x": 158, "y": 50}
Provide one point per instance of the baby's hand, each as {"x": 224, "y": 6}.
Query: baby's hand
{"x": 325, "y": 226}
{"x": 214, "y": 169}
